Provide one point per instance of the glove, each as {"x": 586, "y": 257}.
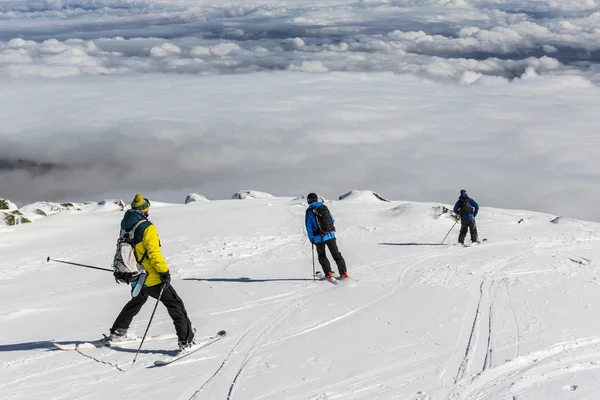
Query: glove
{"x": 165, "y": 277}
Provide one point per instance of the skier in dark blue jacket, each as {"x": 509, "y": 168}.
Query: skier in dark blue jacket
{"x": 321, "y": 232}
{"x": 467, "y": 209}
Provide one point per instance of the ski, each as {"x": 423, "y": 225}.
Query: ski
{"x": 104, "y": 342}
{"x": 207, "y": 342}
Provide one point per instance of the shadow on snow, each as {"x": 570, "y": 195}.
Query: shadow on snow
{"x": 248, "y": 280}
{"x": 411, "y": 244}
{"x": 49, "y": 345}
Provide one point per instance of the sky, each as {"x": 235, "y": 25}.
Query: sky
{"x": 413, "y": 99}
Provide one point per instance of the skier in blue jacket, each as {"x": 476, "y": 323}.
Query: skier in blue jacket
{"x": 467, "y": 209}
{"x": 321, "y": 233}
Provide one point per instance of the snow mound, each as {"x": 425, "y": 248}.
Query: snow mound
{"x": 363, "y": 196}
{"x": 251, "y": 194}
{"x": 195, "y": 197}
{"x": 565, "y": 221}
{"x": 7, "y": 205}
{"x": 421, "y": 211}
{"x": 302, "y": 200}
{"x": 111, "y": 205}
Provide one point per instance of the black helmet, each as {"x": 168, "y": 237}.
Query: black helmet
{"x": 311, "y": 198}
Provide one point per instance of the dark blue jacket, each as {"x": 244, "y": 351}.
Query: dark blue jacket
{"x": 471, "y": 201}
{"x": 312, "y": 226}
{"x": 131, "y": 218}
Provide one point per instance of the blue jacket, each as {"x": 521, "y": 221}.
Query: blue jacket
{"x": 312, "y": 226}
{"x": 471, "y": 201}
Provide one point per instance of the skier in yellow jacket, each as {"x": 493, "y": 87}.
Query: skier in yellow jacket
{"x": 147, "y": 250}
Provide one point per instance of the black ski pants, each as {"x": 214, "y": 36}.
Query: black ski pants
{"x": 467, "y": 223}
{"x": 335, "y": 253}
{"x": 170, "y": 299}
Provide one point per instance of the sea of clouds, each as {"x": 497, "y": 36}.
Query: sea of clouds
{"x": 415, "y": 99}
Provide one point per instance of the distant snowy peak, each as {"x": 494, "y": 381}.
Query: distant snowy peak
{"x": 195, "y": 197}
{"x": 251, "y": 194}
{"x": 363, "y": 196}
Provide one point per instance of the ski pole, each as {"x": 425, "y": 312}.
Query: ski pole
{"x": 449, "y": 231}
{"x": 78, "y": 265}
{"x": 313, "y": 258}
{"x": 149, "y": 322}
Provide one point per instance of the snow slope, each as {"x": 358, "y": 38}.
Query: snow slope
{"x": 513, "y": 318}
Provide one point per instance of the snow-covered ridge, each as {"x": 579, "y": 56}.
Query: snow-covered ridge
{"x": 251, "y": 194}
{"x": 509, "y": 316}
{"x": 12, "y": 215}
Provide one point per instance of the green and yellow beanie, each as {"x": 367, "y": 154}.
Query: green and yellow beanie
{"x": 140, "y": 203}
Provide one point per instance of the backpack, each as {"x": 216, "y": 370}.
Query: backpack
{"x": 324, "y": 221}
{"x": 125, "y": 264}
{"x": 465, "y": 207}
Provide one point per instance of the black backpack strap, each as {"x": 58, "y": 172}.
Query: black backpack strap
{"x": 319, "y": 231}
{"x": 143, "y": 257}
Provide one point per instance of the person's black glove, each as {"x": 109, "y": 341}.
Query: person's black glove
{"x": 165, "y": 277}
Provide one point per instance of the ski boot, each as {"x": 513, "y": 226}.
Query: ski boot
{"x": 117, "y": 335}
{"x": 186, "y": 345}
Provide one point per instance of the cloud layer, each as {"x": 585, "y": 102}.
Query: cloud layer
{"x": 412, "y": 98}
{"x": 526, "y": 144}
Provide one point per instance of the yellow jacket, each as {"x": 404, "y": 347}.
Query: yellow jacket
{"x": 147, "y": 246}
{"x": 154, "y": 262}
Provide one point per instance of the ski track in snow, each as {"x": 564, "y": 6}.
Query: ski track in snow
{"x": 466, "y": 359}
{"x": 399, "y": 279}
{"x": 248, "y": 354}
{"x": 277, "y": 315}
{"x": 478, "y": 327}
{"x": 281, "y": 314}
{"x": 98, "y": 360}
{"x": 530, "y": 370}
{"x": 512, "y": 311}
